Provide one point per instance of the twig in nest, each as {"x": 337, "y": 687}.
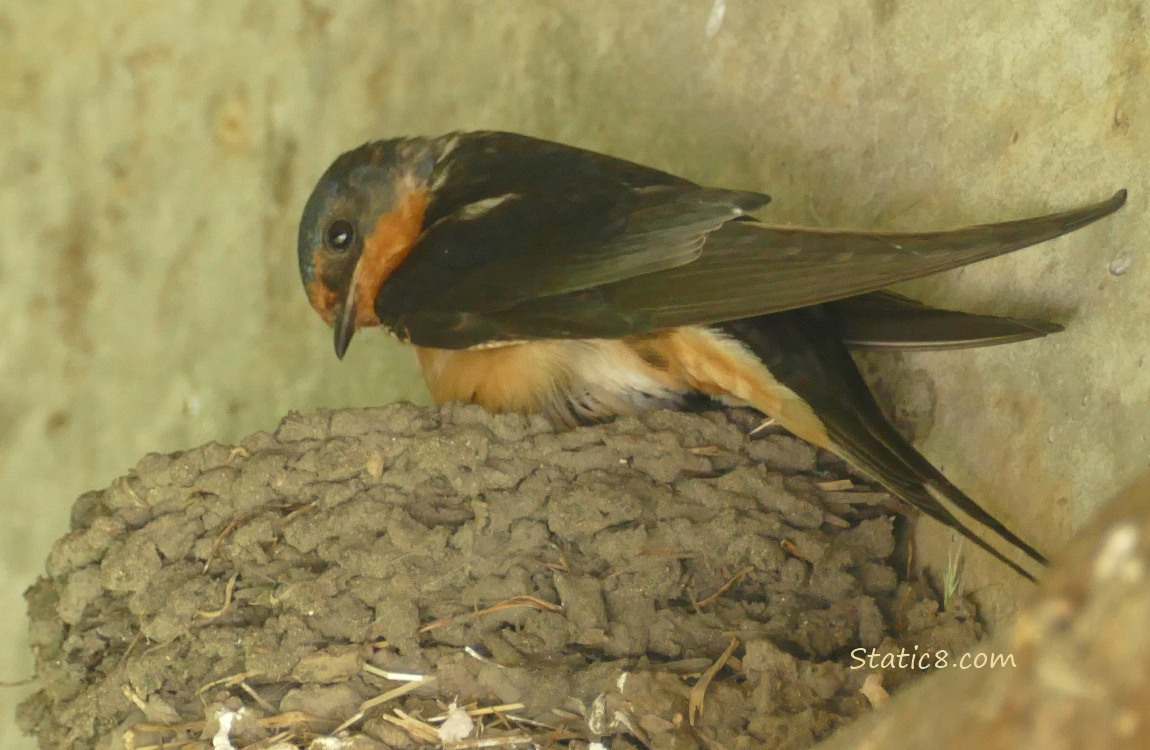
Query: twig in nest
{"x": 123, "y": 484}
{"x": 836, "y": 521}
{"x": 187, "y": 726}
{"x": 562, "y": 566}
{"x": 166, "y": 644}
{"x": 411, "y": 682}
{"x": 699, "y": 690}
{"x": 482, "y": 711}
{"x": 725, "y": 587}
{"x": 130, "y": 693}
{"x": 291, "y": 719}
{"x": 246, "y": 516}
{"x": 416, "y": 728}
{"x": 350, "y": 720}
{"x": 382, "y": 698}
{"x": 531, "y": 722}
{"x": 394, "y": 693}
{"x": 131, "y": 647}
{"x": 232, "y": 679}
{"x": 394, "y": 676}
{"x": 299, "y": 511}
{"x": 910, "y": 547}
{"x": 211, "y": 614}
{"x": 522, "y": 600}
{"x": 793, "y": 550}
{"x": 264, "y": 703}
{"x": 229, "y": 527}
{"x": 273, "y": 742}
{"x": 835, "y": 485}
{"x": 408, "y": 686}
{"x": 130, "y": 743}
{"x": 762, "y": 426}
{"x": 287, "y": 719}
{"x": 482, "y": 742}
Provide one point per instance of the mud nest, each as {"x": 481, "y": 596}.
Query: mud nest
{"x": 408, "y": 576}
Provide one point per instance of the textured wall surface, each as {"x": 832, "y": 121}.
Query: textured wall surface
{"x": 155, "y": 156}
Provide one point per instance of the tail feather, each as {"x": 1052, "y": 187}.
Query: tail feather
{"x": 804, "y": 351}
{"x": 872, "y": 444}
{"x": 885, "y": 321}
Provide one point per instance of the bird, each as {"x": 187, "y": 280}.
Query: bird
{"x": 537, "y": 277}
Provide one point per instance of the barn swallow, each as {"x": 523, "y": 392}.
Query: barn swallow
{"x": 532, "y": 276}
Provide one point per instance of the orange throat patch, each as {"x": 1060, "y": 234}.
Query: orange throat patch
{"x": 390, "y": 241}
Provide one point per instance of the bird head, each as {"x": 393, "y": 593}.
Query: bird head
{"x": 362, "y": 219}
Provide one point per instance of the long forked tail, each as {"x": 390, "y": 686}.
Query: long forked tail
{"x": 885, "y": 321}
{"x": 872, "y": 444}
{"x": 804, "y": 352}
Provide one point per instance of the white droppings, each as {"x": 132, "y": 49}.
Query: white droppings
{"x": 1121, "y": 262}
{"x": 457, "y": 726}
{"x": 621, "y": 683}
{"x": 597, "y": 716}
{"x": 329, "y": 743}
{"x": 715, "y": 20}
{"x": 1116, "y": 553}
{"x": 221, "y": 740}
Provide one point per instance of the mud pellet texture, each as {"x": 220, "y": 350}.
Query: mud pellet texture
{"x": 289, "y": 591}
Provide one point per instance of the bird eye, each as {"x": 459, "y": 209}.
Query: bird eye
{"x": 340, "y": 234}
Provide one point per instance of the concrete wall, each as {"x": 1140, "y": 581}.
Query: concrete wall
{"x": 154, "y": 157}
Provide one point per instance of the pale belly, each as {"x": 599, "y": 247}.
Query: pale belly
{"x": 575, "y": 381}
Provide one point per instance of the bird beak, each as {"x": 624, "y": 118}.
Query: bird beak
{"x": 344, "y": 325}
